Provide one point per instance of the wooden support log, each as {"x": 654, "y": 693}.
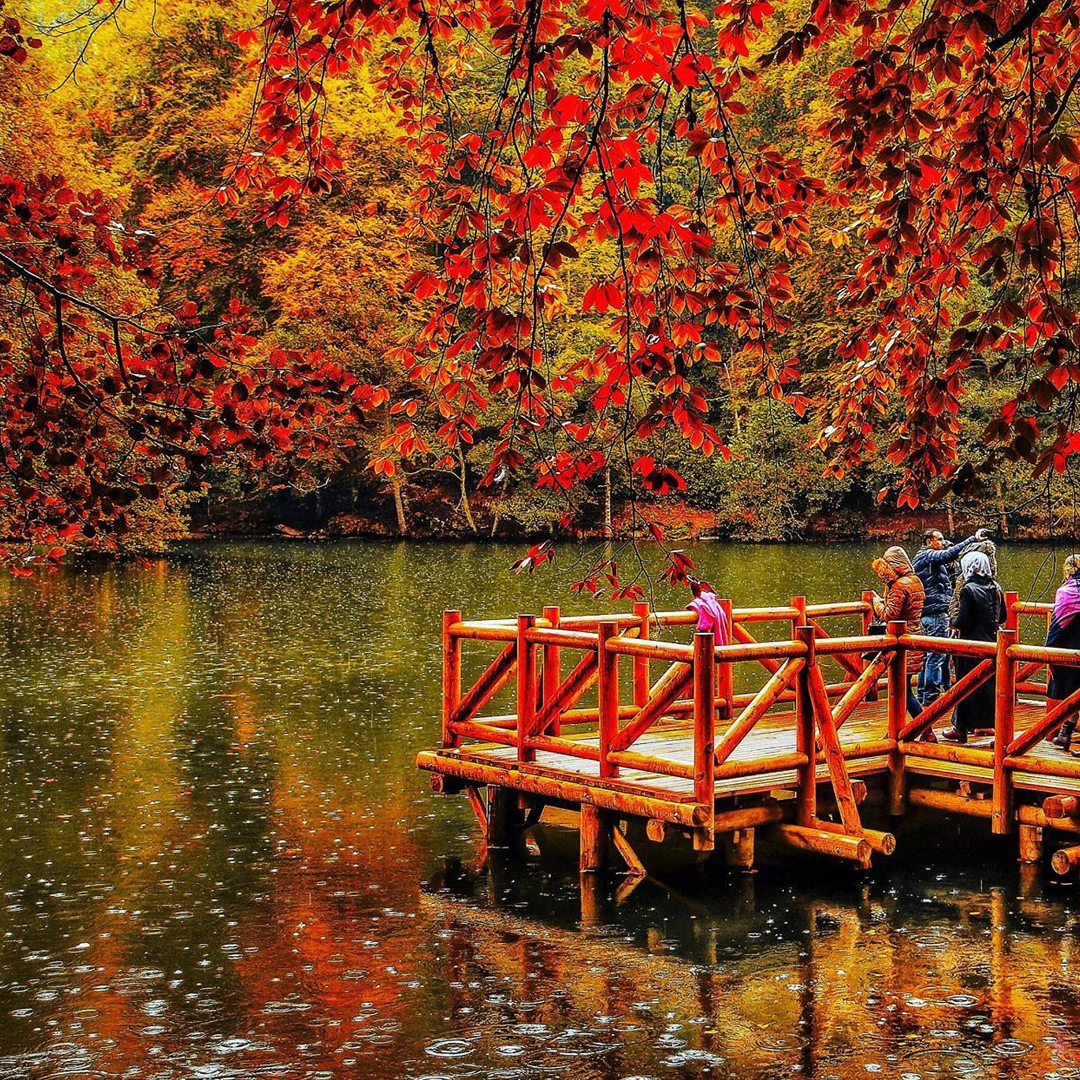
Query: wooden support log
{"x": 840, "y": 845}
{"x": 494, "y": 677}
{"x": 705, "y": 734}
{"x": 667, "y": 689}
{"x": 504, "y": 820}
{"x": 1004, "y": 720}
{"x": 630, "y": 759}
{"x": 859, "y": 689}
{"x": 1045, "y": 655}
{"x": 763, "y": 700}
{"x": 852, "y": 667}
{"x": 471, "y": 729}
{"x": 642, "y": 677}
{"x": 446, "y": 785}
{"x": 834, "y": 755}
{"x": 897, "y": 705}
{"x": 806, "y": 794}
{"x": 982, "y": 650}
{"x": 1061, "y": 806}
{"x": 627, "y": 853}
{"x": 981, "y": 673}
{"x": 650, "y": 650}
{"x": 730, "y": 770}
{"x": 479, "y": 808}
{"x": 592, "y": 842}
{"x": 581, "y": 677}
{"x": 527, "y": 685}
{"x": 884, "y": 843}
{"x": 1030, "y": 838}
{"x": 739, "y": 849}
{"x": 1032, "y": 815}
{"x": 608, "y": 723}
{"x": 451, "y": 676}
{"x": 749, "y": 817}
{"x": 563, "y": 791}
{"x": 980, "y": 757}
{"x": 744, "y": 637}
{"x": 571, "y": 639}
{"x": 950, "y": 802}
{"x": 1047, "y": 726}
{"x": 1065, "y": 860}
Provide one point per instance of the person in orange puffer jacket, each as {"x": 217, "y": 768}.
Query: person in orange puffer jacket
{"x": 903, "y": 601}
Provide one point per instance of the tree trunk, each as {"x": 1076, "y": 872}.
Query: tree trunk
{"x": 608, "y": 529}
{"x": 951, "y": 519}
{"x": 1002, "y": 516}
{"x": 399, "y": 503}
{"x": 465, "y": 493}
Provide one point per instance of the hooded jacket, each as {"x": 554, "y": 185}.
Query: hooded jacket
{"x": 931, "y": 565}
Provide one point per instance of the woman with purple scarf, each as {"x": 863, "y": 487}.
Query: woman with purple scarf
{"x": 1064, "y": 633}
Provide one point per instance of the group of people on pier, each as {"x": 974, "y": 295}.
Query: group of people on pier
{"x": 947, "y": 590}
{"x": 951, "y": 590}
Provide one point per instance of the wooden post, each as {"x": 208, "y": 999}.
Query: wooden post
{"x": 1004, "y": 717}
{"x": 799, "y": 619}
{"x": 898, "y": 687}
{"x": 705, "y": 734}
{"x": 1031, "y": 837}
{"x": 451, "y": 677}
{"x": 526, "y": 687}
{"x": 1012, "y": 616}
{"x": 551, "y": 673}
{"x": 591, "y": 839}
{"x": 608, "y": 690}
{"x": 504, "y": 820}
{"x": 739, "y": 849}
{"x": 806, "y": 806}
{"x": 642, "y": 678}
{"x": 867, "y": 619}
{"x": 725, "y": 684}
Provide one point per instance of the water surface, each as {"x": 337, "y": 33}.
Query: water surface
{"x": 218, "y": 861}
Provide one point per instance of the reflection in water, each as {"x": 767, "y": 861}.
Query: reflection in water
{"x": 218, "y": 861}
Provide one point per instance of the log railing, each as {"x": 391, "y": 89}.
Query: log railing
{"x": 552, "y": 662}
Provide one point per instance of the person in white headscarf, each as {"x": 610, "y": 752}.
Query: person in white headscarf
{"x": 981, "y": 612}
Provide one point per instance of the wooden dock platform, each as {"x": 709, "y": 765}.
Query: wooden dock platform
{"x": 615, "y": 718}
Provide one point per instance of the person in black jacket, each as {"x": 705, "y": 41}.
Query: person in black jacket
{"x": 931, "y": 564}
{"x": 982, "y": 611}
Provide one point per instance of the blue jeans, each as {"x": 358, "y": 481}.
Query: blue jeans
{"x": 934, "y": 677}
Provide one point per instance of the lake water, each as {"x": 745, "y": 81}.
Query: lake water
{"x": 217, "y": 859}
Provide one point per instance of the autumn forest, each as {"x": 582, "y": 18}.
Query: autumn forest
{"x": 544, "y": 268}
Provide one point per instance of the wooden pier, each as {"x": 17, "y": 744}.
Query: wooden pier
{"x": 615, "y": 719}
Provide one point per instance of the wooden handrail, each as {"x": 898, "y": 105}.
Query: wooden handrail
{"x": 1044, "y": 654}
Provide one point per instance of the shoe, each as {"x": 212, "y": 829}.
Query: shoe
{"x": 954, "y": 735}
{"x": 928, "y": 736}
{"x": 1062, "y": 741}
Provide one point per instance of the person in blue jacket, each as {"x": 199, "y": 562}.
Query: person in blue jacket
{"x": 931, "y": 564}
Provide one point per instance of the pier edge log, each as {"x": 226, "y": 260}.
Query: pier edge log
{"x": 1061, "y": 806}
{"x": 1065, "y": 860}
{"x": 855, "y": 848}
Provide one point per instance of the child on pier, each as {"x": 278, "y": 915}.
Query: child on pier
{"x": 711, "y": 616}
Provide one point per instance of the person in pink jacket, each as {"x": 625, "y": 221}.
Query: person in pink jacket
{"x": 711, "y": 616}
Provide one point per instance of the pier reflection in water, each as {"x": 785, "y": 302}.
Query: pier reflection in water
{"x": 218, "y": 861}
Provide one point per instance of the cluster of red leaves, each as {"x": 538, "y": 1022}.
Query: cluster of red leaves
{"x": 13, "y": 43}
{"x": 953, "y": 124}
{"x": 103, "y": 406}
{"x": 592, "y": 101}
{"x": 957, "y": 123}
